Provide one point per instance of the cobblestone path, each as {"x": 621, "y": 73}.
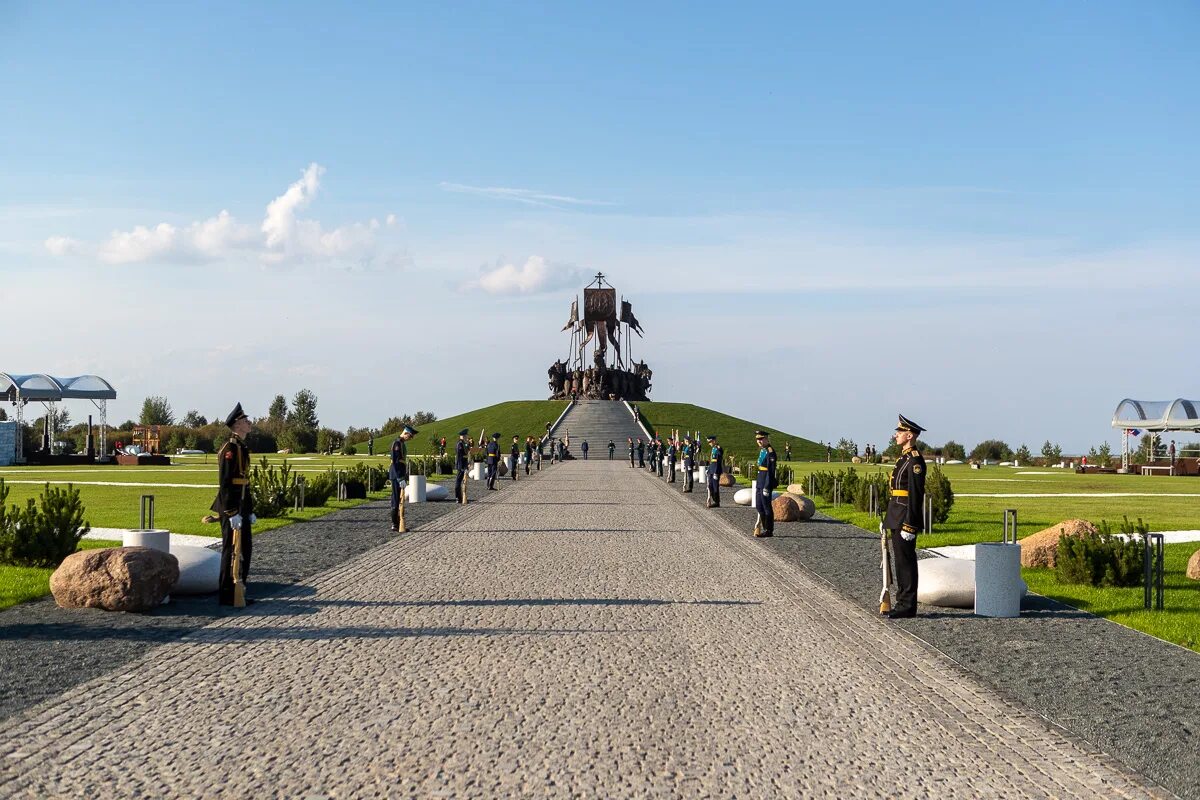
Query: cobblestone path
{"x": 584, "y": 633}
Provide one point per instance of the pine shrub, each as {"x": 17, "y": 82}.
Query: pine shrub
{"x": 44, "y": 531}
{"x": 1099, "y": 559}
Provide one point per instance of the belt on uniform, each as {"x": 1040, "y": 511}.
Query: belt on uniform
{"x": 899, "y": 492}
{"x": 240, "y": 481}
{"x": 762, "y": 469}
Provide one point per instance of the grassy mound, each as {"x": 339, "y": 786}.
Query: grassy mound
{"x": 522, "y": 417}
{"x": 735, "y": 435}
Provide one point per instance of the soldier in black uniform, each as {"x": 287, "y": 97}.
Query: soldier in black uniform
{"x": 514, "y": 453}
{"x": 612, "y": 448}
{"x": 905, "y": 517}
{"x": 528, "y": 453}
{"x": 641, "y": 450}
{"x": 398, "y": 474}
{"x": 660, "y": 455}
{"x": 235, "y": 506}
{"x": 716, "y": 461}
{"x": 493, "y": 461}
{"x": 631, "y": 451}
{"x": 671, "y": 460}
{"x": 462, "y": 455}
{"x": 689, "y": 464}
{"x": 764, "y": 483}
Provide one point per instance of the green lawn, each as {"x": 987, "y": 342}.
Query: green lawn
{"x": 177, "y": 507}
{"x": 18, "y": 584}
{"x": 979, "y": 519}
{"x": 520, "y": 417}
{"x": 735, "y": 435}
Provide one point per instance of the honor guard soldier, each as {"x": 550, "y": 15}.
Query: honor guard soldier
{"x": 671, "y": 460}
{"x": 641, "y": 451}
{"x": 660, "y": 453}
{"x": 612, "y": 448}
{"x": 493, "y": 461}
{"x": 629, "y": 441}
{"x": 764, "y": 484}
{"x": 716, "y": 461}
{"x": 462, "y": 455}
{"x": 398, "y": 475}
{"x": 235, "y": 506}
{"x": 584, "y": 447}
{"x": 514, "y": 452}
{"x": 905, "y": 517}
{"x": 371, "y": 445}
{"x": 787, "y": 451}
{"x": 528, "y": 453}
{"x": 689, "y": 464}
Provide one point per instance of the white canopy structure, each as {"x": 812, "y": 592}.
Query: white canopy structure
{"x": 1154, "y": 416}
{"x": 48, "y": 390}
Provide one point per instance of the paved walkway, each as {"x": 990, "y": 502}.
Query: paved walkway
{"x": 550, "y": 640}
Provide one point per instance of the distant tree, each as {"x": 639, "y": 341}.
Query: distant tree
{"x": 127, "y": 425}
{"x": 992, "y": 450}
{"x": 1104, "y": 454}
{"x": 953, "y": 449}
{"x": 193, "y": 419}
{"x": 893, "y": 450}
{"x": 1023, "y": 455}
{"x": 300, "y": 431}
{"x": 157, "y": 411}
{"x": 423, "y": 418}
{"x": 395, "y": 424}
{"x": 1048, "y": 452}
{"x": 846, "y": 448}
{"x": 175, "y": 442}
{"x": 279, "y": 409}
{"x": 329, "y": 440}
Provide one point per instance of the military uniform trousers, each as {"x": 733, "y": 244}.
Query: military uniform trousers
{"x": 491, "y": 473}
{"x": 670, "y": 470}
{"x": 689, "y": 475}
{"x": 904, "y": 564}
{"x": 762, "y": 502}
{"x": 714, "y": 487}
{"x": 460, "y": 475}
{"x": 395, "y": 478}
{"x": 225, "y": 585}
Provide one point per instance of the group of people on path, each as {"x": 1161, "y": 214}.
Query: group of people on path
{"x": 902, "y": 521}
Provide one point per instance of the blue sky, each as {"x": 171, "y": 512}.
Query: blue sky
{"x": 982, "y": 215}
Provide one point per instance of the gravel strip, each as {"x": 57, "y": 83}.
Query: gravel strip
{"x": 1128, "y": 694}
{"x": 46, "y": 650}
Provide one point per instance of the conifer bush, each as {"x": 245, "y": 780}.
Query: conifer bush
{"x": 44, "y": 531}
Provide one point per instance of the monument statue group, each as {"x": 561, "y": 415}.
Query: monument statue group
{"x": 609, "y": 374}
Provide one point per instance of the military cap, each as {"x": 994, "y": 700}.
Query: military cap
{"x": 410, "y": 430}
{"x": 761, "y": 434}
{"x": 495, "y": 436}
{"x": 464, "y": 432}
{"x": 711, "y": 438}
{"x": 907, "y": 424}
{"x": 235, "y": 415}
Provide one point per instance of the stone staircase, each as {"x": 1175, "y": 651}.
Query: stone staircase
{"x": 597, "y": 421}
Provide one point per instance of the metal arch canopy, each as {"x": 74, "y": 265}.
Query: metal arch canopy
{"x": 39, "y": 387}
{"x": 1158, "y": 415}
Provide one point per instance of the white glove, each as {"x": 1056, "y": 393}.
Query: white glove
{"x": 881, "y": 527}
{"x": 253, "y": 519}
{"x": 908, "y": 537}
{"x": 766, "y": 492}
{"x": 401, "y": 485}
{"x": 235, "y": 522}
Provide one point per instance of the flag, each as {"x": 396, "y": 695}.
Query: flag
{"x": 628, "y": 317}
{"x": 573, "y": 322}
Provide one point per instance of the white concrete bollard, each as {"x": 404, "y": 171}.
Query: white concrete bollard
{"x": 701, "y": 474}
{"x": 154, "y": 539}
{"x": 998, "y": 579}
{"x": 415, "y": 491}
{"x": 478, "y": 471}
{"x": 508, "y": 461}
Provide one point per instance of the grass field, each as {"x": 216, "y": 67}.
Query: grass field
{"x": 1163, "y": 502}
{"x": 182, "y": 492}
{"x": 520, "y": 417}
{"x": 18, "y": 584}
{"x": 735, "y": 435}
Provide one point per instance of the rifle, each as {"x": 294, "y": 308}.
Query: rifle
{"x": 239, "y": 584}
{"x": 885, "y": 562}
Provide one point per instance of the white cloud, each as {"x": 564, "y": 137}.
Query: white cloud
{"x": 62, "y": 246}
{"x": 283, "y": 237}
{"x": 529, "y": 197}
{"x": 534, "y": 276}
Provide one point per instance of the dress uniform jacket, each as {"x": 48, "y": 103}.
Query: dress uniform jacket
{"x": 233, "y": 498}
{"x": 906, "y": 508}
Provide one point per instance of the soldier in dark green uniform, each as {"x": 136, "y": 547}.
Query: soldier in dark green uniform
{"x": 671, "y": 451}
{"x": 764, "y": 484}
{"x": 905, "y": 517}
{"x": 462, "y": 453}
{"x": 716, "y": 464}
{"x": 398, "y": 476}
{"x": 493, "y": 461}
{"x": 235, "y": 506}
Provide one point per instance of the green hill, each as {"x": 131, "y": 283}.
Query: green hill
{"x": 735, "y": 435}
{"x": 522, "y": 417}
